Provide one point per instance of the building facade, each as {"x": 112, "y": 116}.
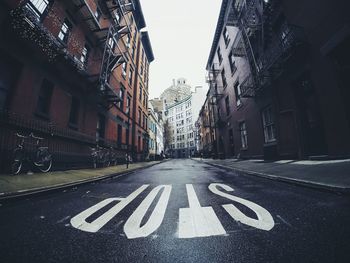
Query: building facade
{"x": 72, "y": 72}
{"x": 156, "y": 140}
{"x": 277, "y": 77}
{"x": 180, "y": 118}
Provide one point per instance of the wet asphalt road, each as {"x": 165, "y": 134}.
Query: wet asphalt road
{"x": 308, "y": 225}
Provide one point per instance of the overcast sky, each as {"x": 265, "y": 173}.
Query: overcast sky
{"x": 181, "y": 34}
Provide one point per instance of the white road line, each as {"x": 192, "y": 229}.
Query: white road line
{"x": 197, "y": 221}
{"x": 264, "y": 221}
{"x": 63, "y": 219}
{"x": 132, "y": 226}
{"x": 284, "y": 221}
{"x": 79, "y": 221}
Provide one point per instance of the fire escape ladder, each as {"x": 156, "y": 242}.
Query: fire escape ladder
{"x": 235, "y": 11}
{"x": 110, "y": 61}
{"x": 251, "y": 15}
{"x": 251, "y": 83}
{"x": 126, "y": 6}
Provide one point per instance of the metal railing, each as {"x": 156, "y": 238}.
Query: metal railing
{"x": 70, "y": 149}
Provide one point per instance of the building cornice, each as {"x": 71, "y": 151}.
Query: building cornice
{"x": 146, "y": 43}
{"x": 218, "y": 30}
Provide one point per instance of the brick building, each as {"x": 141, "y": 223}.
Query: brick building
{"x": 278, "y": 73}
{"x": 72, "y": 72}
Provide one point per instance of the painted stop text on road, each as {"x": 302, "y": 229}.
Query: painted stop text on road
{"x": 194, "y": 220}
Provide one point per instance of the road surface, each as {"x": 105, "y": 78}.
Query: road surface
{"x": 178, "y": 211}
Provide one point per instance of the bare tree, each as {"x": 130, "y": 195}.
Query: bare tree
{"x": 167, "y": 136}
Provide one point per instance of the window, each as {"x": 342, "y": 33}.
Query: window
{"x": 244, "y": 135}
{"x": 140, "y": 117}
{"x": 230, "y": 132}
{"x": 84, "y": 55}
{"x": 111, "y": 43}
{"x": 232, "y": 63}
{"x": 128, "y": 39}
{"x": 124, "y": 69}
{"x": 100, "y": 127}
{"x": 98, "y": 14}
{"x": 226, "y": 36}
{"x": 237, "y": 93}
{"x": 116, "y": 16}
{"x": 44, "y": 98}
{"x": 269, "y": 125}
{"x": 121, "y": 95}
{"x": 63, "y": 35}
{"x": 133, "y": 52}
{"x": 128, "y": 105}
{"x": 38, "y": 7}
{"x": 74, "y": 111}
{"x": 140, "y": 93}
{"x": 131, "y": 71}
{"x": 144, "y": 121}
{"x": 9, "y": 74}
{"x": 227, "y": 104}
{"x": 119, "y": 135}
{"x": 135, "y": 34}
{"x": 223, "y": 76}
{"x": 141, "y": 70}
{"x": 219, "y": 55}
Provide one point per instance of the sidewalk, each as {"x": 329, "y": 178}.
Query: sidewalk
{"x": 331, "y": 175}
{"x": 24, "y": 184}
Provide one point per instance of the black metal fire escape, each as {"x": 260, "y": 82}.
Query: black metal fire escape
{"x": 114, "y": 54}
{"x": 244, "y": 14}
{"x": 265, "y": 50}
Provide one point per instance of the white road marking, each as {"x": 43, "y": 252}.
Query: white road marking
{"x": 284, "y": 161}
{"x": 308, "y": 162}
{"x": 63, "y": 219}
{"x": 79, "y": 221}
{"x": 197, "y": 221}
{"x": 284, "y": 221}
{"x": 264, "y": 221}
{"x": 132, "y": 226}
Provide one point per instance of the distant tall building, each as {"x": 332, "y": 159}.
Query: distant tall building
{"x": 176, "y": 92}
{"x": 178, "y": 103}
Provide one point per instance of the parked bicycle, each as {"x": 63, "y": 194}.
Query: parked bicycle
{"x": 40, "y": 157}
{"x": 103, "y": 157}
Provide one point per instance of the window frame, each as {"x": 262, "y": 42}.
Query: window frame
{"x": 74, "y": 112}
{"x": 226, "y": 36}
{"x": 269, "y": 125}
{"x": 237, "y": 91}
{"x": 34, "y": 7}
{"x": 45, "y": 97}
{"x": 68, "y": 26}
{"x": 243, "y": 134}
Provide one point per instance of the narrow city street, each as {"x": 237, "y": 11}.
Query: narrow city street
{"x": 178, "y": 211}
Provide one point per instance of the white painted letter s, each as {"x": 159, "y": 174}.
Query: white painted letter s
{"x": 264, "y": 221}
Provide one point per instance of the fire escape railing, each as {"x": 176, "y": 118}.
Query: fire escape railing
{"x": 265, "y": 63}
{"x": 29, "y": 28}
{"x": 115, "y": 51}
{"x": 281, "y": 49}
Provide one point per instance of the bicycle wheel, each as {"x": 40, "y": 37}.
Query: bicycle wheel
{"x": 43, "y": 160}
{"x": 17, "y": 161}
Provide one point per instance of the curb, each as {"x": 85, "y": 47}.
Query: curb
{"x": 46, "y": 189}
{"x": 309, "y": 184}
